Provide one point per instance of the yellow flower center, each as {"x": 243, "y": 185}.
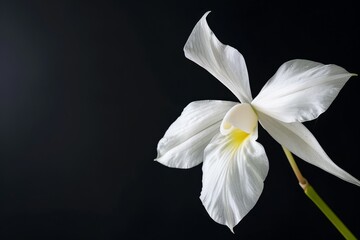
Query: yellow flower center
{"x": 238, "y": 136}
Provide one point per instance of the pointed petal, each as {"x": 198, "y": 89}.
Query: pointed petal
{"x": 222, "y": 61}
{"x": 300, "y": 141}
{"x": 185, "y": 140}
{"x": 233, "y": 178}
{"x": 301, "y": 90}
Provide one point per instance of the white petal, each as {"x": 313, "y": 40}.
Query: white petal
{"x": 301, "y": 90}
{"x": 300, "y": 141}
{"x": 241, "y": 116}
{"x": 233, "y": 178}
{"x": 222, "y": 61}
{"x": 185, "y": 140}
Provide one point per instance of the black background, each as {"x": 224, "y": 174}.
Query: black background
{"x": 88, "y": 88}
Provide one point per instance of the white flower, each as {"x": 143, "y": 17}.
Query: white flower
{"x": 223, "y": 134}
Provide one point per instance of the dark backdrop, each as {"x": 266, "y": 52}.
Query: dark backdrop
{"x": 88, "y": 88}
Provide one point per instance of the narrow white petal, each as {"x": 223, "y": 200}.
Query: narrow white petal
{"x": 301, "y": 90}
{"x": 222, "y": 61}
{"x": 300, "y": 141}
{"x": 185, "y": 140}
{"x": 233, "y": 178}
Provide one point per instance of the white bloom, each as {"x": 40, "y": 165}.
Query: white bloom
{"x": 223, "y": 134}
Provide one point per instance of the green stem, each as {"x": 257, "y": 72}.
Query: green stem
{"x": 311, "y": 193}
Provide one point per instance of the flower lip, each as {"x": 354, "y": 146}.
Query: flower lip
{"x": 241, "y": 116}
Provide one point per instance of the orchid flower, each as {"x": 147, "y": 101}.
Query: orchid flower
{"x": 223, "y": 134}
